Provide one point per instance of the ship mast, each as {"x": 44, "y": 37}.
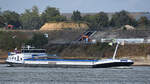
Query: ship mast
{"x": 114, "y": 55}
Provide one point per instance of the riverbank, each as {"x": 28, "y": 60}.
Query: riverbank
{"x": 2, "y": 61}
{"x": 142, "y": 61}
{"x": 139, "y": 53}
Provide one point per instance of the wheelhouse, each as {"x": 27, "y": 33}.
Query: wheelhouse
{"x": 33, "y": 51}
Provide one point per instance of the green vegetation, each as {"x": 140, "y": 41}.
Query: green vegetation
{"x": 38, "y": 40}
{"x": 52, "y": 14}
{"x": 31, "y": 19}
{"x": 98, "y": 51}
{"x": 122, "y": 18}
{"x": 143, "y": 21}
{"x": 9, "y": 17}
{"x": 9, "y": 41}
{"x": 12, "y": 39}
{"x": 76, "y": 16}
{"x": 82, "y": 51}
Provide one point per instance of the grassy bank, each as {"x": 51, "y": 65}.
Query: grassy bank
{"x": 11, "y": 39}
{"x": 137, "y": 52}
{"x": 100, "y": 50}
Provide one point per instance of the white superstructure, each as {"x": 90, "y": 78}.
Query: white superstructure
{"x": 25, "y": 53}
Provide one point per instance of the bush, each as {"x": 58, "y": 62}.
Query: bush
{"x": 9, "y": 41}
{"x": 38, "y": 40}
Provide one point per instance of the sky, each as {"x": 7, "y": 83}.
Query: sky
{"x": 86, "y": 6}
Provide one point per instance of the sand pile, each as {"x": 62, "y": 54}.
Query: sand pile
{"x": 63, "y": 25}
{"x": 128, "y": 27}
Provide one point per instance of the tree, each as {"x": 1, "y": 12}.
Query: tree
{"x": 143, "y": 21}
{"x": 87, "y": 18}
{"x": 0, "y": 11}
{"x": 76, "y": 16}
{"x": 38, "y": 40}
{"x": 122, "y": 18}
{"x": 52, "y": 14}
{"x": 31, "y": 19}
{"x": 12, "y": 18}
{"x": 8, "y": 41}
{"x": 90, "y": 19}
{"x": 101, "y": 20}
{"x": 59, "y": 18}
{"x": 2, "y": 24}
{"x": 98, "y": 21}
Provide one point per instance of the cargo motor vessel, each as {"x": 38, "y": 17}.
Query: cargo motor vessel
{"x": 33, "y": 57}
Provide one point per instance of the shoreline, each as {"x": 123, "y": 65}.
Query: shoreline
{"x": 2, "y": 61}
{"x": 141, "y": 64}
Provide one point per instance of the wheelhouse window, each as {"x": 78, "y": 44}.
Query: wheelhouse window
{"x": 33, "y": 51}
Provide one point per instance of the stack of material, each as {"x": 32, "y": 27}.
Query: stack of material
{"x": 63, "y": 25}
{"x": 128, "y": 27}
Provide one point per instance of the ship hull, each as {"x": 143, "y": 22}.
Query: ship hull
{"x": 104, "y": 65}
{"x": 113, "y": 64}
{"x": 49, "y": 65}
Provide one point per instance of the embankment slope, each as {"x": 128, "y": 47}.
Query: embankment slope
{"x": 138, "y": 52}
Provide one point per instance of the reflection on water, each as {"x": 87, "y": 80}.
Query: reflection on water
{"x": 31, "y": 75}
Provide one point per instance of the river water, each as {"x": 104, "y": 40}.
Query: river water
{"x": 32, "y": 75}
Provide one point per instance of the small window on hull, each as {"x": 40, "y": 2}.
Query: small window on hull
{"x": 17, "y": 58}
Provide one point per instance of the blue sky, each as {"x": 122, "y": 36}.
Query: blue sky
{"x": 67, "y": 6}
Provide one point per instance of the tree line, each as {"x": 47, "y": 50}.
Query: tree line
{"x": 102, "y": 21}
{"x": 32, "y": 19}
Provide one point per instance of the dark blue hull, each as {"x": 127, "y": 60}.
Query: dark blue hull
{"x": 105, "y": 65}
{"x": 114, "y": 64}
